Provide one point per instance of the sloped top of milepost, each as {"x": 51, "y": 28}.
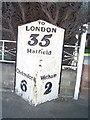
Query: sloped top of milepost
{"x": 37, "y": 23}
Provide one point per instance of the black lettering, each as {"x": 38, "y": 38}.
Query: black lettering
{"x": 48, "y": 29}
{"x": 23, "y": 74}
{"x": 17, "y": 70}
{"x": 23, "y": 85}
{"x": 43, "y": 77}
{"x": 43, "y": 52}
{"x": 40, "y": 51}
{"x": 37, "y": 29}
{"x": 49, "y": 53}
{"x": 29, "y": 50}
{"x": 32, "y": 28}
{"x": 48, "y": 76}
{"x": 33, "y": 51}
{"x": 27, "y": 28}
{"x": 55, "y": 75}
{"x": 43, "y": 29}
{"x": 48, "y": 87}
{"x": 43, "y": 23}
{"x": 54, "y": 30}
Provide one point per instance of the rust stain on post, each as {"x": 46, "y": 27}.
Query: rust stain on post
{"x": 35, "y": 88}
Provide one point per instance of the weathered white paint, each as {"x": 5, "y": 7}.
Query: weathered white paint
{"x": 80, "y": 63}
{"x": 75, "y": 55}
{"x": 38, "y": 69}
{"x": 3, "y": 51}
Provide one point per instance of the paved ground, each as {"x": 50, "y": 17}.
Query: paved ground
{"x": 14, "y": 106}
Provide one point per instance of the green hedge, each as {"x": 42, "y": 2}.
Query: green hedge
{"x": 87, "y": 50}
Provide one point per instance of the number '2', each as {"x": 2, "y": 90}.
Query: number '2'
{"x": 48, "y": 86}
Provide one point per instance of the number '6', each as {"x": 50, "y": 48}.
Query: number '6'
{"x": 23, "y": 85}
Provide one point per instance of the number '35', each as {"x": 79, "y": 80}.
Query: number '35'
{"x": 43, "y": 43}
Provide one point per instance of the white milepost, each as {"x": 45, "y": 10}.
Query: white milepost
{"x": 39, "y": 56}
{"x": 80, "y": 63}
